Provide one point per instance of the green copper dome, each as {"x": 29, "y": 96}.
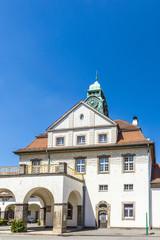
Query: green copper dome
{"x": 95, "y": 86}
{"x": 96, "y": 98}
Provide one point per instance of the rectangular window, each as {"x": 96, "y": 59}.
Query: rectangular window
{"x": 60, "y": 141}
{"x": 80, "y": 165}
{"x": 81, "y": 139}
{"x": 128, "y": 163}
{"x": 103, "y": 188}
{"x": 36, "y": 162}
{"x": 128, "y": 187}
{"x": 128, "y": 211}
{"x": 102, "y": 138}
{"x": 36, "y": 168}
{"x": 103, "y": 164}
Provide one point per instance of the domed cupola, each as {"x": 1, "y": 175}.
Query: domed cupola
{"x": 96, "y": 98}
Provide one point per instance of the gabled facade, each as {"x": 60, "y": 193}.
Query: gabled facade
{"x": 102, "y": 169}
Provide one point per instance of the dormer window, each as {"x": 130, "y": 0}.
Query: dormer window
{"x": 102, "y": 138}
{"x": 81, "y": 139}
{"x": 60, "y": 141}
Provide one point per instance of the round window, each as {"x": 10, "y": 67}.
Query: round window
{"x": 81, "y": 116}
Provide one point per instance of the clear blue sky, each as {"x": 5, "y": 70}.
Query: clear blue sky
{"x": 50, "y": 51}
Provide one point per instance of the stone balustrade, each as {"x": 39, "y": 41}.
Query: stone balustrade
{"x": 24, "y": 169}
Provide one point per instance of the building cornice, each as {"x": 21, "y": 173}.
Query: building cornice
{"x": 84, "y": 148}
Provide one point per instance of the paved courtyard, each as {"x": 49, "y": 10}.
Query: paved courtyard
{"x": 42, "y": 233}
{"x": 24, "y": 237}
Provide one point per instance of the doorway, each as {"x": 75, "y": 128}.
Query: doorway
{"x": 103, "y": 215}
{"x": 102, "y": 223}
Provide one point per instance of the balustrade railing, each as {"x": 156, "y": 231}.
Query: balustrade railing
{"x": 31, "y": 169}
{"x": 52, "y": 168}
{"x": 9, "y": 170}
{"x": 74, "y": 173}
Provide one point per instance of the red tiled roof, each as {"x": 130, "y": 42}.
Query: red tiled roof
{"x": 133, "y": 136}
{"x": 128, "y": 134}
{"x": 155, "y": 173}
{"x": 123, "y": 125}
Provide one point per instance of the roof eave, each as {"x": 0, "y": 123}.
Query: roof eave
{"x": 18, "y": 152}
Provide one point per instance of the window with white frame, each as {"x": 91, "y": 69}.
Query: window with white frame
{"x": 80, "y": 165}
{"x": 128, "y": 187}
{"x": 103, "y": 164}
{"x": 102, "y": 138}
{"x": 60, "y": 141}
{"x": 128, "y": 162}
{"x": 128, "y": 210}
{"x": 103, "y": 188}
{"x": 81, "y": 139}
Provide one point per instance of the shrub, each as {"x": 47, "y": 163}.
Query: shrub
{"x": 3, "y": 221}
{"x": 38, "y": 222}
{"x": 17, "y": 226}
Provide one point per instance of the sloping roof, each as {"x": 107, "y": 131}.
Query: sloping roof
{"x": 128, "y": 135}
{"x": 155, "y": 173}
{"x": 40, "y": 143}
{"x": 123, "y": 125}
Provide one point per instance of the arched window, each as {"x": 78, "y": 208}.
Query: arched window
{"x": 70, "y": 211}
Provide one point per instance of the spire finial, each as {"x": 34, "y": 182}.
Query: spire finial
{"x": 96, "y": 75}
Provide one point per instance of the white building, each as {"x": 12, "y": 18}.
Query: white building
{"x": 87, "y": 170}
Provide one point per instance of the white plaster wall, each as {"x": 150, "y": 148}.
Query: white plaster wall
{"x": 155, "y": 196}
{"x": 71, "y": 185}
{"x": 76, "y": 125}
{"x": 86, "y": 120}
{"x": 115, "y": 180}
{"x": 20, "y": 186}
{"x": 60, "y": 134}
{"x": 103, "y": 131}
{"x": 99, "y": 120}
{"x": 26, "y": 159}
{"x": 115, "y": 195}
{"x": 62, "y": 124}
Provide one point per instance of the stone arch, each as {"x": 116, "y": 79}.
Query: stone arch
{"x": 46, "y": 199}
{"x": 74, "y": 200}
{"x": 41, "y": 193}
{"x": 78, "y": 196}
{"x": 100, "y": 207}
{"x": 9, "y": 211}
{"x": 6, "y": 191}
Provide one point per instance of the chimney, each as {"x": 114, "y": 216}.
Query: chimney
{"x": 135, "y": 121}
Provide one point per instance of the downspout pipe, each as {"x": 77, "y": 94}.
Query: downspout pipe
{"x": 48, "y": 156}
{"x": 149, "y": 192}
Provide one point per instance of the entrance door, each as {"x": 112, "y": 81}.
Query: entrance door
{"x": 103, "y": 219}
